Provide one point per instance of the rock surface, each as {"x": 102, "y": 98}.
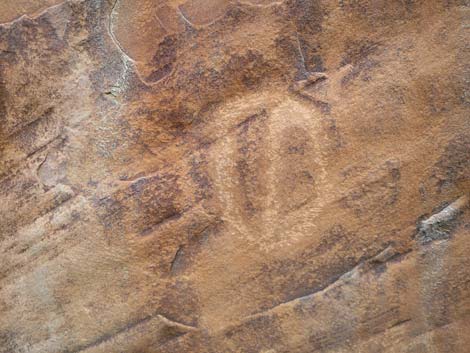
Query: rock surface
{"x": 234, "y": 176}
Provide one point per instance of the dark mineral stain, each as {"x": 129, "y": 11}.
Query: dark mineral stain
{"x": 308, "y": 18}
{"x": 8, "y": 342}
{"x": 143, "y": 206}
{"x": 166, "y": 215}
{"x": 164, "y": 58}
{"x": 249, "y": 164}
{"x": 160, "y": 73}
{"x": 359, "y": 55}
{"x": 357, "y": 51}
{"x": 453, "y": 167}
{"x": 200, "y": 176}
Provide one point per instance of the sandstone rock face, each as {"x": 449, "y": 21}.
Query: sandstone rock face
{"x": 234, "y": 176}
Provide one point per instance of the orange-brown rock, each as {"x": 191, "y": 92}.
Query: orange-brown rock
{"x": 221, "y": 176}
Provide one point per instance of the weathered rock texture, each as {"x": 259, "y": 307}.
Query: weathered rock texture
{"x": 234, "y": 176}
